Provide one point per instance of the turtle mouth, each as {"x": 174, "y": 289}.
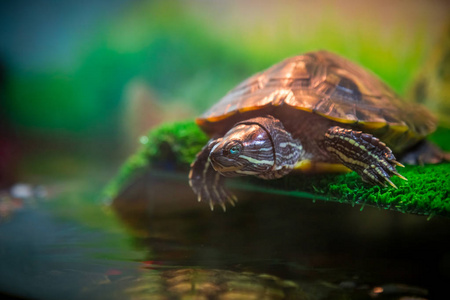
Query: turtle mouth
{"x": 222, "y": 169}
{"x": 223, "y": 161}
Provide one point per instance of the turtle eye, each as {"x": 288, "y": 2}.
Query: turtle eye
{"x": 234, "y": 149}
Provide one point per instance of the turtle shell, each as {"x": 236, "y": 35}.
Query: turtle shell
{"x": 328, "y": 85}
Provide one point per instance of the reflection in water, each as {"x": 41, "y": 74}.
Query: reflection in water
{"x": 215, "y": 284}
{"x": 326, "y": 250}
{"x": 166, "y": 245}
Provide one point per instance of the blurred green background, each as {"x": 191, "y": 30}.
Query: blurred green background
{"x": 80, "y": 81}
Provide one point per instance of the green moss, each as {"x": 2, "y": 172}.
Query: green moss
{"x": 174, "y": 146}
{"x": 170, "y": 146}
{"x": 427, "y": 190}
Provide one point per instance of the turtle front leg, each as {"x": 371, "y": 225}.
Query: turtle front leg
{"x": 364, "y": 154}
{"x": 206, "y": 182}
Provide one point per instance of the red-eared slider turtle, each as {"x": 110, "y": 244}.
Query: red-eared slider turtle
{"x": 316, "y": 112}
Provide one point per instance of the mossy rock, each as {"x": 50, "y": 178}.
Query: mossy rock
{"x": 172, "y": 147}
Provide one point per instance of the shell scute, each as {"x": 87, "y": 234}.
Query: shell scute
{"x": 328, "y": 85}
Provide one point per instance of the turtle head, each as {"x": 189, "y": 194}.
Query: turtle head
{"x": 246, "y": 149}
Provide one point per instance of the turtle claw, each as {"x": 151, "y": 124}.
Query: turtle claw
{"x": 398, "y": 174}
{"x": 232, "y": 199}
{"x": 397, "y": 164}
{"x": 391, "y": 183}
{"x": 364, "y": 154}
{"x": 381, "y": 171}
{"x": 218, "y": 195}
{"x": 207, "y": 183}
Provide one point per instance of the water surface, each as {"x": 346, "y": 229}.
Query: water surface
{"x": 156, "y": 242}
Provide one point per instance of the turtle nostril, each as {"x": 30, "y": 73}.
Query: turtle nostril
{"x": 214, "y": 155}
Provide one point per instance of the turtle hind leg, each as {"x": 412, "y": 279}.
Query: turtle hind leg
{"x": 364, "y": 154}
{"x": 207, "y": 183}
{"x": 424, "y": 152}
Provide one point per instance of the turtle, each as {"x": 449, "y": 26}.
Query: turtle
{"x": 314, "y": 112}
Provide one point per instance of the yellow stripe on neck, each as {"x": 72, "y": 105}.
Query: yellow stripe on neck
{"x": 308, "y": 166}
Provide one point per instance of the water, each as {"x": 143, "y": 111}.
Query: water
{"x": 156, "y": 242}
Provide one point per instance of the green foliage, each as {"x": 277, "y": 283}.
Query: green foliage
{"x": 441, "y": 137}
{"x": 189, "y": 57}
{"x": 170, "y": 50}
{"x": 170, "y": 146}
